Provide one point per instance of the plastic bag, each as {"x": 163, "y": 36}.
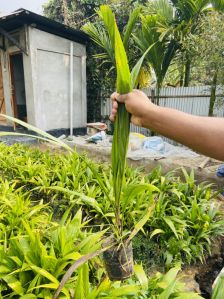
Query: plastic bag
{"x": 136, "y": 141}
{"x": 154, "y": 143}
{"x": 97, "y": 137}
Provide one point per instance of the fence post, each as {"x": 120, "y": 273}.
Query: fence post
{"x": 153, "y": 95}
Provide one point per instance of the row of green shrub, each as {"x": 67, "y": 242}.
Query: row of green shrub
{"x": 185, "y": 218}
{"x": 53, "y": 211}
{"x": 35, "y": 253}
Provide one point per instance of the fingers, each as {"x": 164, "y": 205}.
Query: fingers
{"x": 115, "y": 97}
{"x": 114, "y": 110}
{"x": 113, "y": 115}
{"x": 115, "y": 105}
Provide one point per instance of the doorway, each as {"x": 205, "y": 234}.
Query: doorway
{"x": 2, "y": 100}
{"x": 18, "y": 87}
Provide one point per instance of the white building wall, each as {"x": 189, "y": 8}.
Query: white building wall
{"x": 47, "y": 81}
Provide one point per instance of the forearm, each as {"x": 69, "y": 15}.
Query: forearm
{"x": 202, "y": 134}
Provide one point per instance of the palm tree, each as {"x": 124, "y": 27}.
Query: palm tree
{"x": 156, "y": 22}
{"x": 188, "y": 12}
{"x": 100, "y": 36}
{"x": 166, "y": 23}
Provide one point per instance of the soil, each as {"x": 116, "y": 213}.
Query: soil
{"x": 208, "y": 272}
{"x": 119, "y": 262}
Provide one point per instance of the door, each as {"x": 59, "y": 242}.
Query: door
{"x": 18, "y": 86}
{"x": 2, "y": 100}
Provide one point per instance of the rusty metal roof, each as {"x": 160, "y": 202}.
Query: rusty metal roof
{"x": 23, "y": 16}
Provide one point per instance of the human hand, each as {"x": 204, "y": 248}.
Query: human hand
{"x": 136, "y": 103}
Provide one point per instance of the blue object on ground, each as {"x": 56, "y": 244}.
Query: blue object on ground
{"x": 97, "y": 137}
{"x": 220, "y": 171}
{"x": 154, "y": 143}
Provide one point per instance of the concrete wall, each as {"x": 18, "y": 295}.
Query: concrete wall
{"x": 47, "y": 81}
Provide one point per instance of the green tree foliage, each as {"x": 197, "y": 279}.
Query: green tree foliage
{"x": 207, "y": 48}
{"x": 207, "y": 53}
{"x": 189, "y": 12}
{"x": 167, "y": 24}
{"x": 163, "y": 49}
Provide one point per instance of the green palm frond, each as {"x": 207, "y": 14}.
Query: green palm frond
{"x": 131, "y": 23}
{"x": 125, "y": 81}
{"x": 163, "y": 9}
{"x": 160, "y": 54}
{"x": 172, "y": 47}
{"x": 100, "y": 36}
{"x": 122, "y": 123}
{"x": 219, "y": 288}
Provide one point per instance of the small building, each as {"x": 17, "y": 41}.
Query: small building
{"x": 42, "y": 72}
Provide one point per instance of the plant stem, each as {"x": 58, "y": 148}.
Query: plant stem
{"x": 119, "y": 151}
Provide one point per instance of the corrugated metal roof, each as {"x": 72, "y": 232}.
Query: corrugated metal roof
{"x": 22, "y": 17}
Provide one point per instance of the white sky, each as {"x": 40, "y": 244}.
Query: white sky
{"x": 7, "y": 6}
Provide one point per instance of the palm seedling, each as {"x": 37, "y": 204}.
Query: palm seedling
{"x": 125, "y": 82}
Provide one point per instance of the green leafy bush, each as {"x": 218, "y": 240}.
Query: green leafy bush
{"x": 34, "y": 260}
{"x": 35, "y": 251}
{"x": 185, "y": 218}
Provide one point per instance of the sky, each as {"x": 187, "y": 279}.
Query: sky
{"x": 7, "y": 6}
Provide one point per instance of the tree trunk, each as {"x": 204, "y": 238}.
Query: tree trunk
{"x": 181, "y": 70}
{"x": 65, "y": 12}
{"x": 213, "y": 94}
{"x": 187, "y": 71}
{"x": 182, "y": 80}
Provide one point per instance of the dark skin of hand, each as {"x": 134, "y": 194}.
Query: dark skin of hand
{"x": 202, "y": 134}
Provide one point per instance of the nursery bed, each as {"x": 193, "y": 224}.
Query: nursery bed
{"x": 206, "y": 172}
{"x": 101, "y": 153}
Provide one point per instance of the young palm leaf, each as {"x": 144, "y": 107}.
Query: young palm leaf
{"x": 41, "y": 134}
{"x": 122, "y": 123}
{"x": 124, "y": 84}
{"x": 219, "y": 288}
{"x": 134, "y": 15}
{"x": 81, "y": 261}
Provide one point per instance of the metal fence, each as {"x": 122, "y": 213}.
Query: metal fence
{"x": 193, "y": 100}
